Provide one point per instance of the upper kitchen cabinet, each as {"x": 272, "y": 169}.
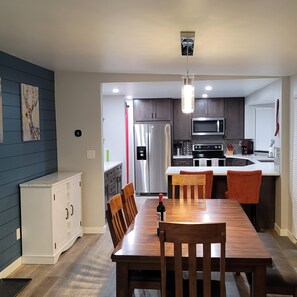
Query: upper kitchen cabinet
{"x": 146, "y": 110}
{"x": 234, "y": 116}
{"x": 181, "y": 122}
{"x": 212, "y": 107}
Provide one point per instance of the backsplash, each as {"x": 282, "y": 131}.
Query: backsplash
{"x": 186, "y": 146}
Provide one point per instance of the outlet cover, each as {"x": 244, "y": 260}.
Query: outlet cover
{"x": 18, "y": 233}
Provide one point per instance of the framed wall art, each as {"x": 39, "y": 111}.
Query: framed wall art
{"x": 1, "y": 115}
{"x": 30, "y": 112}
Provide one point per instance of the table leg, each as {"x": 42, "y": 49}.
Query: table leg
{"x": 259, "y": 282}
{"x": 122, "y": 281}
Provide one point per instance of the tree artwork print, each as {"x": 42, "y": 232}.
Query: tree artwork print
{"x": 30, "y": 112}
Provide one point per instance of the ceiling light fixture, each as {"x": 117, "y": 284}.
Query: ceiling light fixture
{"x": 187, "y": 91}
{"x": 208, "y": 88}
{"x": 204, "y": 95}
{"x": 115, "y": 90}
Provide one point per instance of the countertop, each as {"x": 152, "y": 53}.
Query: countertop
{"x": 49, "y": 180}
{"x": 264, "y": 158}
{"x": 110, "y": 165}
{"x": 268, "y": 168}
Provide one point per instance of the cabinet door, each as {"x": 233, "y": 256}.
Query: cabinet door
{"x": 146, "y": 110}
{"x": 200, "y": 108}
{"x": 143, "y": 110}
{"x": 181, "y": 122}
{"x": 182, "y": 162}
{"x": 75, "y": 206}
{"x": 234, "y": 115}
{"x": 162, "y": 110}
{"x": 215, "y": 107}
{"x": 60, "y": 217}
{"x": 212, "y": 107}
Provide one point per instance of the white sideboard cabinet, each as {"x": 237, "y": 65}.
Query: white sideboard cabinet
{"x": 51, "y": 216}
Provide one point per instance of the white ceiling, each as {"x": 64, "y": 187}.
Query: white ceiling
{"x": 233, "y": 37}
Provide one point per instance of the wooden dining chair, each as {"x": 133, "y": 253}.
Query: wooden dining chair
{"x": 192, "y": 236}
{"x": 185, "y": 183}
{"x": 139, "y": 279}
{"x": 244, "y": 186}
{"x": 129, "y": 204}
{"x": 208, "y": 186}
{"x": 115, "y": 219}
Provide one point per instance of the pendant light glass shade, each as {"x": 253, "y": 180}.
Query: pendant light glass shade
{"x": 187, "y": 94}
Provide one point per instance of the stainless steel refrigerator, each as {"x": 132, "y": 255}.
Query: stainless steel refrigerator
{"x": 152, "y": 157}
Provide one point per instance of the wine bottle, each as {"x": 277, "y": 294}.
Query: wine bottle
{"x": 161, "y": 211}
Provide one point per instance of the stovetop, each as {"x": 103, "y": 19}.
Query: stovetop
{"x": 208, "y": 147}
{"x": 205, "y": 150}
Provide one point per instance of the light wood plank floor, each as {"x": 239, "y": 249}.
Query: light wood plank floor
{"x": 86, "y": 270}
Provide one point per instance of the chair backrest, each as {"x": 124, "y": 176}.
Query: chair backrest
{"x": 244, "y": 186}
{"x": 192, "y": 235}
{"x": 129, "y": 204}
{"x": 209, "y": 181}
{"x": 115, "y": 219}
{"x": 184, "y": 184}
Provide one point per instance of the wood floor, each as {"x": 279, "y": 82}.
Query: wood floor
{"x": 86, "y": 270}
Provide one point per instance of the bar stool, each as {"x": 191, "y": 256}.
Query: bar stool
{"x": 244, "y": 186}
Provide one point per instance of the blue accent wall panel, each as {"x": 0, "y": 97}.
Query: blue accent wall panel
{"x": 22, "y": 161}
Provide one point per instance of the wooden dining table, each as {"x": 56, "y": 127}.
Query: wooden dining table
{"x": 140, "y": 247}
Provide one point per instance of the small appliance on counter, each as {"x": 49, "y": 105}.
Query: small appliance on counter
{"x": 271, "y": 149}
{"x": 247, "y": 147}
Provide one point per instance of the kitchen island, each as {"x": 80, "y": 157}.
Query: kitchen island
{"x": 266, "y": 207}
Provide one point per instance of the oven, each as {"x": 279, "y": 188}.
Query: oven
{"x": 208, "y": 155}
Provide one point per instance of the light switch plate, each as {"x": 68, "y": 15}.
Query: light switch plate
{"x": 91, "y": 154}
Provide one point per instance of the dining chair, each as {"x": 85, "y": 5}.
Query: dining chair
{"x": 183, "y": 184}
{"x": 129, "y": 204}
{"x": 138, "y": 279}
{"x": 115, "y": 219}
{"x": 208, "y": 186}
{"x": 187, "y": 238}
{"x": 244, "y": 186}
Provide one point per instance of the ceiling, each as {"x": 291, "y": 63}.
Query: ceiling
{"x": 233, "y": 37}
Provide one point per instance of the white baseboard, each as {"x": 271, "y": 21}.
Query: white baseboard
{"x": 285, "y": 232}
{"x": 292, "y": 237}
{"x": 13, "y": 266}
{"x": 94, "y": 230}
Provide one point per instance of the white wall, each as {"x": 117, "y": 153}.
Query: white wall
{"x": 114, "y": 132}
{"x": 264, "y": 98}
{"x": 78, "y": 106}
{"x": 293, "y": 170}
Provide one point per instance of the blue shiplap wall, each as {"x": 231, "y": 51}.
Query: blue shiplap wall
{"x": 22, "y": 161}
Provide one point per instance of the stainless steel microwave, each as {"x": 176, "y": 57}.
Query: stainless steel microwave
{"x": 208, "y": 126}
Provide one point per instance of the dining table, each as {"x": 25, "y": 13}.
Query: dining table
{"x": 139, "y": 249}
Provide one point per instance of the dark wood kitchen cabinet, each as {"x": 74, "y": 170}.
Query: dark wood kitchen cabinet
{"x": 182, "y": 162}
{"x": 181, "y": 122}
{"x": 234, "y": 118}
{"x": 212, "y": 107}
{"x": 146, "y": 110}
{"x": 112, "y": 182}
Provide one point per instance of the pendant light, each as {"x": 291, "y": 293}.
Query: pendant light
{"x": 188, "y": 90}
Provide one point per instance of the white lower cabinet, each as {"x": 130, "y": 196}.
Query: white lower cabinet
{"x": 51, "y": 216}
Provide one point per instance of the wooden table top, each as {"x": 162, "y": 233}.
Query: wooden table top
{"x": 243, "y": 246}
